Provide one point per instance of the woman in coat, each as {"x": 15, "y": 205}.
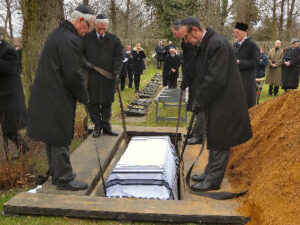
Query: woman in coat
{"x": 138, "y": 65}
{"x": 12, "y": 105}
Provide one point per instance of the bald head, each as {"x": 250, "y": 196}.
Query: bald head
{"x": 277, "y": 44}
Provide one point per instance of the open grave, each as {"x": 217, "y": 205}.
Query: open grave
{"x": 48, "y": 201}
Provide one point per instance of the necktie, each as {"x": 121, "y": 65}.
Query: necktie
{"x": 238, "y": 45}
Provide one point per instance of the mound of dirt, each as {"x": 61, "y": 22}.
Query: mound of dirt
{"x": 268, "y": 165}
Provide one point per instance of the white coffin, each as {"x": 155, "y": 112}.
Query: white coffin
{"x": 147, "y": 169}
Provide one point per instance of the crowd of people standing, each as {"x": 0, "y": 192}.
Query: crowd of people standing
{"x": 220, "y": 78}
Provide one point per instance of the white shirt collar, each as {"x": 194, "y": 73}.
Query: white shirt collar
{"x": 240, "y": 43}
{"x": 98, "y": 35}
{"x": 201, "y": 39}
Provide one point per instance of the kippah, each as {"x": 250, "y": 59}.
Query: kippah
{"x": 101, "y": 16}
{"x": 85, "y": 9}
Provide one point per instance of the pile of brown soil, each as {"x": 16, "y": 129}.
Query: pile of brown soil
{"x": 268, "y": 165}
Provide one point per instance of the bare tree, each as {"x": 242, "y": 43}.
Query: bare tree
{"x": 40, "y": 18}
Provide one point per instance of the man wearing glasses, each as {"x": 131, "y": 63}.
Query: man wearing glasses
{"x": 219, "y": 93}
{"x": 58, "y": 84}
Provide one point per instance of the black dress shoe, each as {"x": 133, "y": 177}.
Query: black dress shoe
{"x": 205, "y": 186}
{"x": 194, "y": 141}
{"x": 110, "y": 132}
{"x": 198, "y": 178}
{"x": 96, "y": 133}
{"x": 72, "y": 185}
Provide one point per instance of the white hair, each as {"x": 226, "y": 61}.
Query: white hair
{"x": 104, "y": 21}
{"x": 76, "y": 14}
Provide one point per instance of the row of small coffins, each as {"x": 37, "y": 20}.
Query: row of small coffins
{"x": 140, "y": 105}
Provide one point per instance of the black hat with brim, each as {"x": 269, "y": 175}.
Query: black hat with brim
{"x": 241, "y": 26}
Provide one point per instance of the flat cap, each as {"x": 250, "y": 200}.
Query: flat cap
{"x": 294, "y": 40}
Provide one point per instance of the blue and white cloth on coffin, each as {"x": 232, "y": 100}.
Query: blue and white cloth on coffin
{"x": 147, "y": 169}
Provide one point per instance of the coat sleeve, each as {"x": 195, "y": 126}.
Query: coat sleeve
{"x": 252, "y": 62}
{"x": 8, "y": 63}
{"x": 71, "y": 57}
{"x": 118, "y": 57}
{"x": 215, "y": 77}
{"x": 295, "y": 62}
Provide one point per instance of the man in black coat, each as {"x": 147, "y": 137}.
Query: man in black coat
{"x": 159, "y": 51}
{"x": 138, "y": 65}
{"x": 220, "y": 94}
{"x": 172, "y": 67}
{"x": 104, "y": 50}
{"x": 291, "y": 66}
{"x": 248, "y": 56}
{"x": 165, "y": 55}
{"x": 188, "y": 73}
{"x": 59, "y": 83}
{"x": 12, "y": 105}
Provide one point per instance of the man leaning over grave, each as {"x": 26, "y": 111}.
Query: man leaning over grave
{"x": 59, "y": 83}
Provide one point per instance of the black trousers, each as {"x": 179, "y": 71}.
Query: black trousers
{"x": 159, "y": 64}
{"x": 100, "y": 115}
{"x": 59, "y": 163}
{"x": 123, "y": 80}
{"x": 137, "y": 78}
{"x": 276, "y": 88}
{"x": 199, "y": 126}
{"x": 172, "y": 80}
{"x": 130, "y": 76}
{"x": 216, "y": 166}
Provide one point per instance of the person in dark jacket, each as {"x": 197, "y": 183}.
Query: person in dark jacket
{"x": 138, "y": 65}
{"x": 220, "y": 94}
{"x": 12, "y": 104}
{"x": 165, "y": 55}
{"x": 159, "y": 51}
{"x": 104, "y": 50}
{"x": 123, "y": 73}
{"x": 291, "y": 66}
{"x": 263, "y": 62}
{"x": 58, "y": 84}
{"x": 172, "y": 67}
{"x": 188, "y": 73}
{"x": 19, "y": 53}
{"x": 247, "y": 54}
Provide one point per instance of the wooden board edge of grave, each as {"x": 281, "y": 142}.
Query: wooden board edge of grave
{"x": 122, "y": 209}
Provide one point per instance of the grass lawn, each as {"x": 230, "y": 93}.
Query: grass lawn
{"x": 127, "y": 96}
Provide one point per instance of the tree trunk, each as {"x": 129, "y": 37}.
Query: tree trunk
{"x": 290, "y": 12}
{"x": 40, "y": 18}
{"x": 274, "y": 19}
{"x": 113, "y": 15}
{"x": 9, "y": 19}
{"x": 280, "y": 27}
{"x": 86, "y": 2}
{"x": 127, "y": 19}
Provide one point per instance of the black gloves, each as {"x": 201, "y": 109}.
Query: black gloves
{"x": 197, "y": 108}
{"x": 87, "y": 65}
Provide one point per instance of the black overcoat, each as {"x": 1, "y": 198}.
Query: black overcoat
{"x": 159, "y": 50}
{"x": 248, "y": 54}
{"x": 290, "y": 76}
{"x": 106, "y": 53}
{"x": 12, "y": 105}
{"x": 59, "y": 82}
{"x": 138, "y": 64}
{"x": 172, "y": 62}
{"x": 220, "y": 91}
